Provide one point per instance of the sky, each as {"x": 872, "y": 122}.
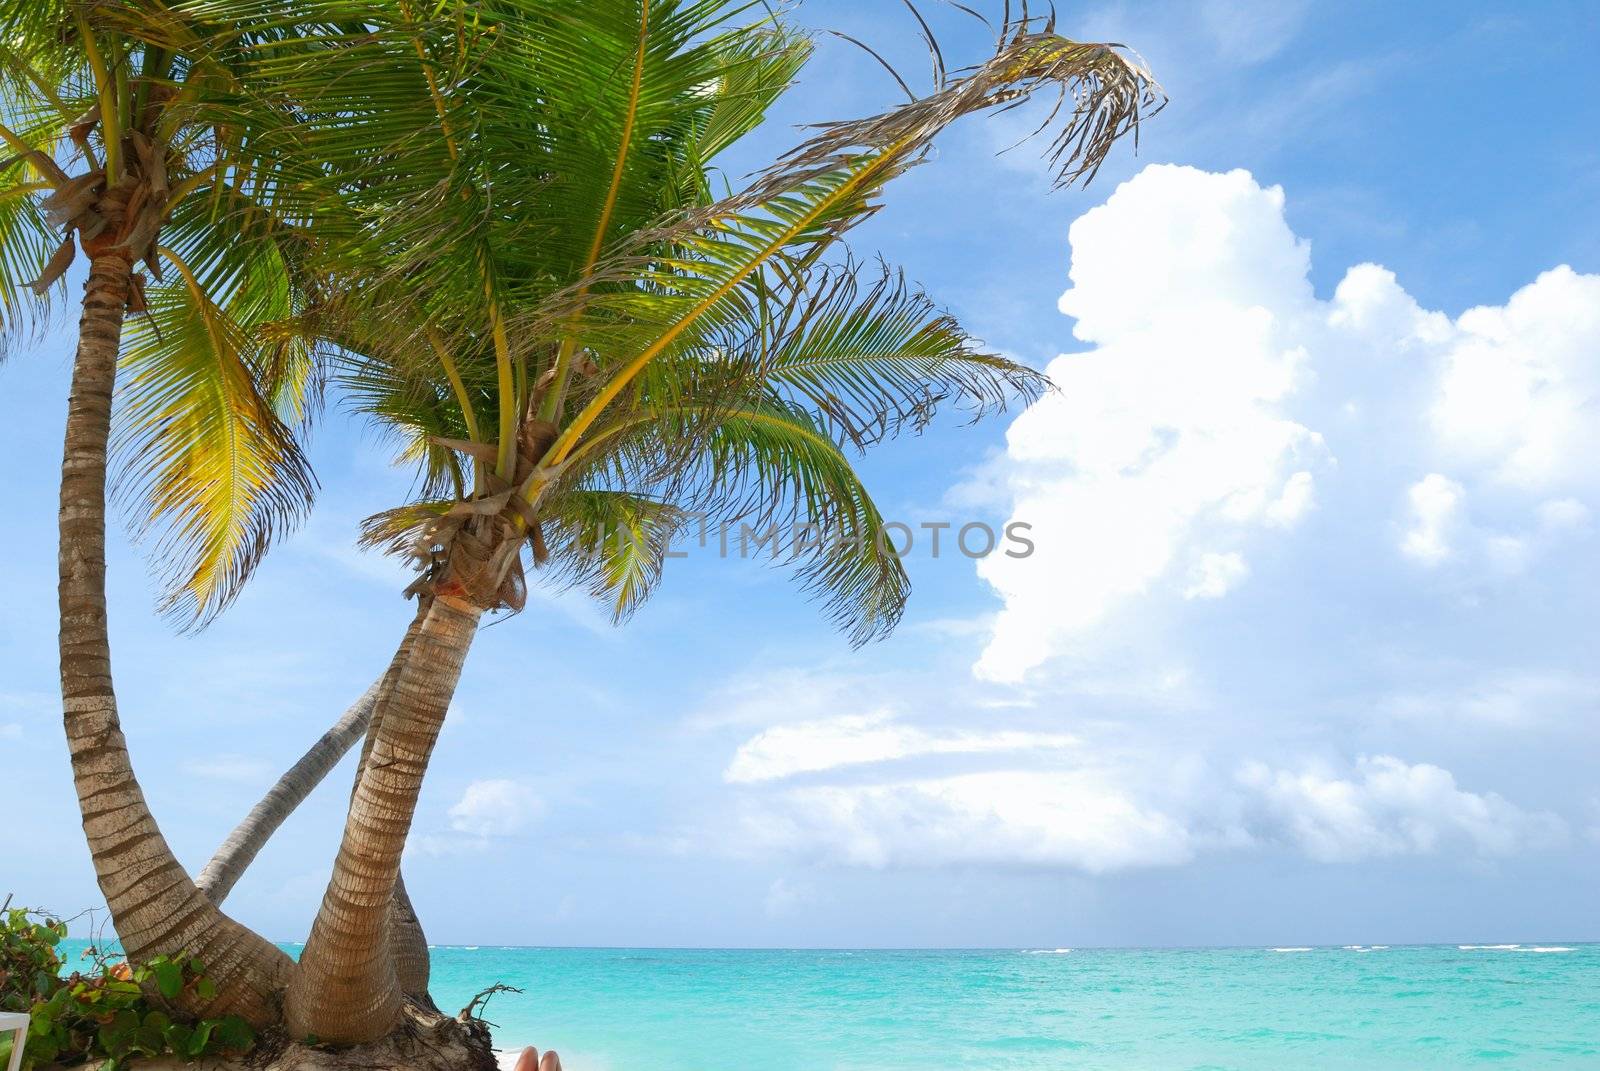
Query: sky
{"x": 1303, "y": 652}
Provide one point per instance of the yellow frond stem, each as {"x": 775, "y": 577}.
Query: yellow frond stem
{"x": 453, "y": 374}
{"x": 550, "y": 409}
{"x": 567, "y": 441}
{"x": 42, "y": 165}
{"x": 507, "y": 384}
{"x": 106, "y": 90}
{"x": 463, "y": 399}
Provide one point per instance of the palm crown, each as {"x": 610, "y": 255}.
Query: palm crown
{"x": 154, "y": 132}
{"x": 582, "y": 346}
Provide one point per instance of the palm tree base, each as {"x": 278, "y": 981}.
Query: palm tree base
{"x": 425, "y": 1040}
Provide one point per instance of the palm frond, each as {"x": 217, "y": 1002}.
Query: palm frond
{"x": 612, "y": 543}
{"x": 768, "y": 465}
{"x": 204, "y": 465}
{"x": 691, "y": 276}
{"x": 871, "y": 356}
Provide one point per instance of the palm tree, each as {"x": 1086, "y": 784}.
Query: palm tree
{"x": 234, "y": 856}
{"x": 107, "y": 157}
{"x": 151, "y": 132}
{"x": 582, "y": 349}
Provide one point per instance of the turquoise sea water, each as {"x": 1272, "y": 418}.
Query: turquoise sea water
{"x": 1327, "y": 1009}
{"x": 1088, "y": 1010}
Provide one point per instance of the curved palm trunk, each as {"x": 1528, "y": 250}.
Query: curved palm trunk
{"x": 345, "y": 987}
{"x": 218, "y": 877}
{"x": 154, "y": 906}
{"x": 407, "y": 943}
{"x": 233, "y": 858}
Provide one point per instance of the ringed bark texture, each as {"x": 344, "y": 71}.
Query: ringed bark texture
{"x": 407, "y": 942}
{"x": 345, "y": 988}
{"x": 154, "y": 906}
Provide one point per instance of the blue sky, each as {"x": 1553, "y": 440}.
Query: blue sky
{"x": 1304, "y": 654}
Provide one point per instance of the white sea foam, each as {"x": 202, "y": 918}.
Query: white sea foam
{"x": 1488, "y": 948}
{"x": 1296, "y": 948}
{"x": 1366, "y": 948}
{"x": 1047, "y": 951}
{"x": 1546, "y": 948}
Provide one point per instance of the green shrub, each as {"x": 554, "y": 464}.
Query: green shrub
{"x": 113, "y": 1011}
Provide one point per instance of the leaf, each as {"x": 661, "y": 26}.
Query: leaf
{"x": 233, "y": 1034}
{"x": 168, "y": 977}
{"x": 180, "y": 1039}
{"x": 612, "y": 542}
{"x": 216, "y": 474}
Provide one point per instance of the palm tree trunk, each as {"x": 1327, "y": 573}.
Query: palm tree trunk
{"x": 218, "y": 877}
{"x": 154, "y": 906}
{"x": 345, "y": 987}
{"x": 408, "y": 943}
{"x": 233, "y": 858}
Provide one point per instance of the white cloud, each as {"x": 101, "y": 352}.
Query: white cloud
{"x": 1299, "y": 495}
{"x": 852, "y": 740}
{"x": 1190, "y": 285}
{"x": 1104, "y": 819}
{"x": 1007, "y": 818}
{"x": 495, "y": 807}
{"x": 1435, "y": 513}
{"x": 1389, "y": 808}
{"x": 10, "y": 731}
{"x": 1369, "y": 302}
{"x": 1214, "y": 575}
{"x": 1520, "y": 383}
{"x": 1197, "y": 418}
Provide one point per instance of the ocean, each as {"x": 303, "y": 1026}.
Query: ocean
{"x": 1328, "y": 1009}
{"x": 1237, "y": 1009}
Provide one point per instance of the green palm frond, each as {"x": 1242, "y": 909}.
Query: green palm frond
{"x": 870, "y": 355}
{"x": 766, "y": 464}
{"x": 204, "y": 463}
{"x": 33, "y": 255}
{"x": 612, "y": 543}
{"x": 691, "y": 277}
{"x": 771, "y": 465}
{"x": 26, "y": 245}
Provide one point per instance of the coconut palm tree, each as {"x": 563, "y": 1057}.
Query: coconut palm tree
{"x": 582, "y": 350}
{"x": 148, "y": 133}
{"x": 107, "y": 159}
